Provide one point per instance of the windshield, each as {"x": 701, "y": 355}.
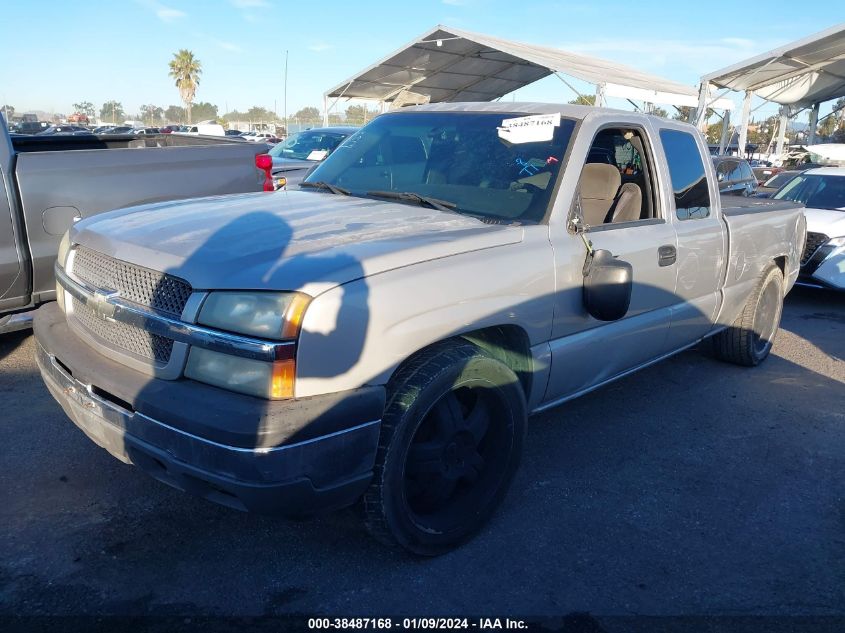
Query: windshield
{"x": 462, "y": 158}
{"x": 816, "y": 191}
{"x": 308, "y": 145}
{"x": 780, "y": 179}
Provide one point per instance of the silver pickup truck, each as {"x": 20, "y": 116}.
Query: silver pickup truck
{"x": 49, "y": 182}
{"x": 382, "y": 335}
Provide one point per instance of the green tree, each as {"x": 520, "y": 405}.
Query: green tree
{"x": 359, "y": 114}
{"x": 658, "y": 111}
{"x": 308, "y": 114}
{"x": 174, "y": 114}
{"x": 714, "y": 132}
{"x": 186, "y": 69}
{"x": 257, "y": 113}
{"x": 203, "y": 111}
{"x": 682, "y": 113}
{"x": 85, "y": 107}
{"x": 589, "y": 100}
{"x": 112, "y": 111}
{"x": 151, "y": 114}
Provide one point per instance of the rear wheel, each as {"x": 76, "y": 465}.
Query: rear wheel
{"x": 451, "y": 440}
{"x": 749, "y": 340}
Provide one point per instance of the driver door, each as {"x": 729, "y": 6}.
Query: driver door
{"x": 586, "y": 352}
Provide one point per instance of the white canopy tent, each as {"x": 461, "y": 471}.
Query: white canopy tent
{"x": 799, "y": 75}
{"x": 448, "y": 64}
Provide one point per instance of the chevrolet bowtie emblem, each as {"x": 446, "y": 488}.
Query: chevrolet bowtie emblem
{"x": 100, "y": 303}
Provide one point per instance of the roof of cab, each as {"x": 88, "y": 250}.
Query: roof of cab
{"x": 567, "y": 110}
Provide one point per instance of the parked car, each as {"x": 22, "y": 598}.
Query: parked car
{"x": 768, "y": 188}
{"x": 233, "y": 132}
{"x": 64, "y": 129}
{"x": 50, "y": 184}
{"x": 382, "y": 333}
{"x": 102, "y": 129}
{"x": 822, "y": 191}
{"x": 207, "y": 129}
{"x": 735, "y": 176}
{"x": 146, "y": 131}
{"x": 31, "y": 127}
{"x": 121, "y": 129}
{"x": 763, "y": 172}
{"x": 293, "y": 157}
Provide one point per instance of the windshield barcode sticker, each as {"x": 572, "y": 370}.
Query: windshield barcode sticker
{"x": 529, "y": 129}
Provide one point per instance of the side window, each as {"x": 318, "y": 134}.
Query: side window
{"x": 689, "y": 180}
{"x": 736, "y": 172}
{"x": 747, "y": 174}
{"x": 616, "y": 180}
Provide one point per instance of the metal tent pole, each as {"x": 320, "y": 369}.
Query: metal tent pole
{"x": 701, "y": 111}
{"x": 743, "y": 124}
{"x": 726, "y": 126}
{"x": 784, "y": 121}
{"x": 814, "y": 122}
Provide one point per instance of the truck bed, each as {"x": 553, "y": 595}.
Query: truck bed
{"x": 738, "y": 205}
{"x": 758, "y": 227}
{"x": 62, "y": 143}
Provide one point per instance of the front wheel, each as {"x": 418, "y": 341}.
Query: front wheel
{"x": 749, "y": 340}
{"x": 451, "y": 441}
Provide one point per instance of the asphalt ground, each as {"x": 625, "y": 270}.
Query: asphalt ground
{"x": 690, "y": 488}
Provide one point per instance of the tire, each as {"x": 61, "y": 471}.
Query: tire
{"x": 451, "y": 440}
{"x": 749, "y": 340}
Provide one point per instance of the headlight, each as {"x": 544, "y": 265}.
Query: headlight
{"x": 271, "y": 315}
{"x": 268, "y": 315}
{"x": 836, "y": 242}
{"x": 244, "y": 375}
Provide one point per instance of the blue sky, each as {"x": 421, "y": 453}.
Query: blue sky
{"x": 119, "y": 49}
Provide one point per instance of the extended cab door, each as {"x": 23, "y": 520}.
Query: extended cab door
{"x": 618, "y": 164}
{"x": 702, "y": 237}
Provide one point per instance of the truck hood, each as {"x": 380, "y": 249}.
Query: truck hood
{"x": 287, "y": 240}
{"x": 827, "y": 221}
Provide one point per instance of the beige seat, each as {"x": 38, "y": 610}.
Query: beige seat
{"x": 598, "y": 186}
{"x": 629, "y": 202}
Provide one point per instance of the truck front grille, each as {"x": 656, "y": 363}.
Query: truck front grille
{"x": 814, "y": 241}
{"x": 148, "y": 288}
{"x": 124, "y": 336}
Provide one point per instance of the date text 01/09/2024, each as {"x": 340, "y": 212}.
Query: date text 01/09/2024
{"x": 492, "y": 624}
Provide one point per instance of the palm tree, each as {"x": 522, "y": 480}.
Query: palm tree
{"x": 186, "y": 70}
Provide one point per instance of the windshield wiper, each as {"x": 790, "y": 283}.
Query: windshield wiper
{"x": 410, "y": 196}
{"x": 326, "y": 186}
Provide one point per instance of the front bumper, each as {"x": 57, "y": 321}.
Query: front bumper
{"x": 275, "y": 457}
{"x": 825, "y": 269}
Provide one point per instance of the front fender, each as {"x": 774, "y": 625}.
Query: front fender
{"x": 360, "y": 332}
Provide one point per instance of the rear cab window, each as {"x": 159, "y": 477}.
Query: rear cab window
{"x": 689, "y": 179}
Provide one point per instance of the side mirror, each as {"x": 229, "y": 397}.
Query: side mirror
{"x": 607, "y": 286}
{"x": 720, "y": 176}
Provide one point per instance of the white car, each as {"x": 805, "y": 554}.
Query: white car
{"x": 822, "y": 191}
{"x": 259, "y": 137}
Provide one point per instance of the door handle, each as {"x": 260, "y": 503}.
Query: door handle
{"x": 666, "y": 255}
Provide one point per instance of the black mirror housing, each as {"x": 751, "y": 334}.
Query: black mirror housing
{"x": 607, "y": 286}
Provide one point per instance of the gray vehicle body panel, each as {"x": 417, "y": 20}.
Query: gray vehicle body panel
{"x": 389, "y": 279}
{"x": 45, "y": 192}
